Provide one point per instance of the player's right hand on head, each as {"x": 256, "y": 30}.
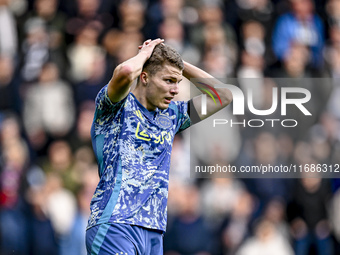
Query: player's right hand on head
{"x": 149, "y": 45}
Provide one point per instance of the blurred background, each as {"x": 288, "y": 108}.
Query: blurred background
{"x": 55, "y": 55}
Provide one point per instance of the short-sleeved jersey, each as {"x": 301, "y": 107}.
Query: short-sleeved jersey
{"x": 133, "y": 146}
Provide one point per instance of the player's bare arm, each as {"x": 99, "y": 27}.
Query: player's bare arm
{"x": 126, "y": 72}
{"x": 190, "y": 71}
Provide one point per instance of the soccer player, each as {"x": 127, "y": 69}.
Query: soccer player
{"x": 132, "y": 136}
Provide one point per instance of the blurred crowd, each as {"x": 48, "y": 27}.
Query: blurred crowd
{"x": 55, "y": 55}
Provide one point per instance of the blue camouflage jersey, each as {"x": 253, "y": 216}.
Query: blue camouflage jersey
{"x": 133, "y": 147}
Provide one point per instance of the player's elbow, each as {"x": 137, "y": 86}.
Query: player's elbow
{"x": 124, "y": 72}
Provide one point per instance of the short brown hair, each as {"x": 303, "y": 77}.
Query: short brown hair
{"x": 162, "y": 55}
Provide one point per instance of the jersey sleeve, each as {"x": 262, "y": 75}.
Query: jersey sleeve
{"x": 104, "y": 105}
{"x": 183, "y": 118}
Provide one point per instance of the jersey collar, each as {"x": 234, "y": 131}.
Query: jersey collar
{"x": 149, "y": 114}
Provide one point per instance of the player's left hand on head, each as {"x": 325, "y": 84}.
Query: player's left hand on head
{"x": 149, "y": 45}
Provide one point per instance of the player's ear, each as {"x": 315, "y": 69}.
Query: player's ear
{"x": 144, "y": 78}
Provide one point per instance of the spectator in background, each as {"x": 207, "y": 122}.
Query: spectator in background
{"x": 176, "y": 194}
{"x": 255, "y": 49}
{"x": 127, "y": 49}
{"x": 320, "y": 146}
{"x": 266, "y": 241}
{"x": 129, "y": 31}
{"x": 123, "y": 43}
{"x": 83, "y": 52}
{"x": 332, "y": 59}
{"x": 216, "y": 40}
{"x": 295, "y": 62}
{"x": 286, "y": 145}
{"x": 250, "y": 75}
{"x": 49, "y": 108}
{"x": 8, "y": 31}
{"x": 42, "y": 236}
{"x": 83, "y": 160}
{"x": 120, "y": 45}
{"x": 180, "y": 163}
{"x": 60, "y": 162}
{"x": 332, "y": 51}
{"x": 333, "y": 13}
{"x": 275, "y": 212}
{"x": 237, "y": 226}
{"x": 81, "y": 135}
{"x": 162, "y": 10}
{"x": 219, "y": 57}
{"x": 225, "y": 192}
{"x": 59, "y": 206}
{"x": 188, "y": 232}
{"x": 132, "y": 16}
{"x": 88, "y": 9}
{"x": 73, "y": 242}
{"x": 300, "y": 26}
{"x": 302, "y": 153}
{"x": 255, "y": 21}
{"x": 259, "y": 11}
{"x": 172, "y": 30}
{"x": 211, "y": 14}
{"x": 311, "y": 194}
{"x": 295, "y": 67}
{"x": 330, "y": 126}
{"x": 9, "y": 98}
{"x": 35, "y": 49}
{"x": 54, "y": 23}
{"x": 14, "y": 162}
{"x": 253, "y": 35}
{"x": 15, "y": 165}
{"x": 96, "y": 76}
{"x": 335, "y": 218}
{"x": 265, "y": 152}
{"x": 250, "y": 72}
{"x": 13, "y": 168}
{"x": 88, "y": 12}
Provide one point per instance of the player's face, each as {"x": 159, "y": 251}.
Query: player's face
{"x": 163, "y": 87}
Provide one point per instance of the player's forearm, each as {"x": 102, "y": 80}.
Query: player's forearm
{"x": 131, "y": 68}
{"x": 192, "y": 72}
{"x": 125, "y": 73}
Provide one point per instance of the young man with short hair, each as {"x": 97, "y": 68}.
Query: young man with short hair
{"x": 132, "y": 136}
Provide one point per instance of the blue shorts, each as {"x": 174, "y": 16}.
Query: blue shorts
{"x": 123, "y": 239}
